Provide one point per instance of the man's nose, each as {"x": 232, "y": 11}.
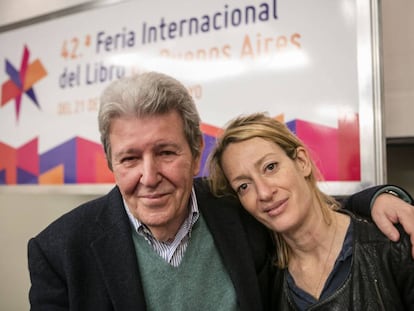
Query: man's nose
{"x": 150, "y": 175}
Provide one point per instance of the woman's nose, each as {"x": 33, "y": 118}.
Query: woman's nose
{"x": 264, "y": 190}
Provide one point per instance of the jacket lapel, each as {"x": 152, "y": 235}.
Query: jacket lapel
{"x": 115, "y": 256}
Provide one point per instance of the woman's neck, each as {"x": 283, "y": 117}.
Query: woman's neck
{"x": 313, "y": 250}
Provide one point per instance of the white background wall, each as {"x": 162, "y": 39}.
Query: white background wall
{"x": 398, "y": 67}
{"x": 22, "y": 215}
{"x": 398, "y": 89}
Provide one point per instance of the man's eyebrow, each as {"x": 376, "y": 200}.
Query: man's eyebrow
{"x": 163, "y": 144}
{"x": 126, "y": 152}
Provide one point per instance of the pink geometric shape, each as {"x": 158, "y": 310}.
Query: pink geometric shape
{"x": 349, "y": 153}
{"x": 28, "y": 158}
{"x": 86, "y": 155}
{"x": 322, "y": 142}
{"x": 8, "y": 161}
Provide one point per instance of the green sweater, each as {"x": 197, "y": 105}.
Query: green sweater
{"x": 200, "y": 282}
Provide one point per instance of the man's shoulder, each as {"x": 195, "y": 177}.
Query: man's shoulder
{"x": 368, "y": 233}
{"x": 83, "y": 215}
{"x": 201, "y": 184}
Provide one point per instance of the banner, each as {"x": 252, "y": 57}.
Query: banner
{"x": 308, "y": 63}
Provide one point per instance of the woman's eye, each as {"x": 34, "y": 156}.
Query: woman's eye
{"x": 241, "y": 188}
{"x": 271, "y": 166}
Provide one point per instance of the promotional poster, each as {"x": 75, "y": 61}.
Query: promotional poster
{"x": 311, "y": 68}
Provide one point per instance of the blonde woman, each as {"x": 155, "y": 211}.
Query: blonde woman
{"x": 325, "y": 258}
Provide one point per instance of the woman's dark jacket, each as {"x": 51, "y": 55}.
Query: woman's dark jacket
{"x": 381, "y": 278}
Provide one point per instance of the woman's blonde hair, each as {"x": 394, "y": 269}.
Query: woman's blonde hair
{"x": 260, "y": 125}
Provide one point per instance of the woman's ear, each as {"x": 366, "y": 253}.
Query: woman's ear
{"x": 303, "y": 161}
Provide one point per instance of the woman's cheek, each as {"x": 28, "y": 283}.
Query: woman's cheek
{"x": 248, "y": 203}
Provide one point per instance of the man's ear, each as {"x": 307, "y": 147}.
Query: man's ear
{"x": 197, "y": 159}
{"x": 303, "y": 161}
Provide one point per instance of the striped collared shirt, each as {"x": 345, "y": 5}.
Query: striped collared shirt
{"x": 172, "y": 252}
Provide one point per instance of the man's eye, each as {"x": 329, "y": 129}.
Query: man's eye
{"x": 167, "y": 152}
{"x": 128, "y": 160}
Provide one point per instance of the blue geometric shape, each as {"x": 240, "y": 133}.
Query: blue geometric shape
{"x": 24, "y": 177}
{"x": 63, "y": 154}
{"x": 13, "y": 74}
{"x": 3, "y": 177}
{"x": 209, "y": 143}
{"x": 31, "y": 93}
{"x": 292, "y": 126}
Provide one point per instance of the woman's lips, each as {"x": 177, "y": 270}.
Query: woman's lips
{"x": 276, "y": 208}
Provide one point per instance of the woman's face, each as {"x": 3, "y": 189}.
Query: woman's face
{"x": 271, "y": 186}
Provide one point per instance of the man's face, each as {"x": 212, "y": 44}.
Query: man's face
{"x": 154, "y": 169}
